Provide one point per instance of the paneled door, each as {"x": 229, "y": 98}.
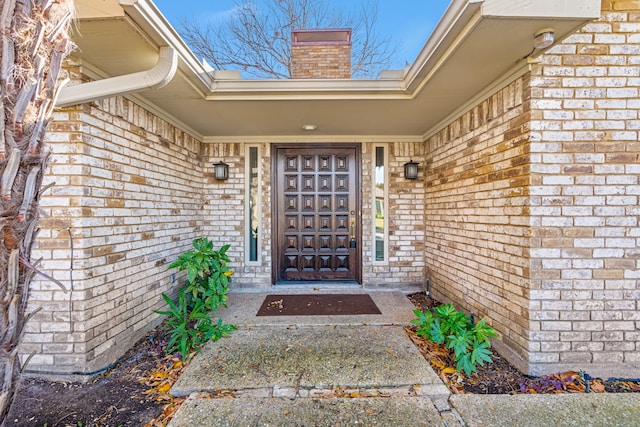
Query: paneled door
{"x": 316, "y": 213}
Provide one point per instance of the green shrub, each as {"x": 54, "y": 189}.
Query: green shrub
{"x": 189, "y": 318}
{"x": 469, "y": 341}
{"x": 208, "y": 276}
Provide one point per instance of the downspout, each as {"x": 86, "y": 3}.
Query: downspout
{"x": 153, "y": 78}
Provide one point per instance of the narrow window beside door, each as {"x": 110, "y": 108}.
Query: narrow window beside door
{"x": 253, "y": 204}
{"x": 379, "y": 204}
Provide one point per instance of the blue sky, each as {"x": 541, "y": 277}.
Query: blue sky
{"x": 408, "y": 21}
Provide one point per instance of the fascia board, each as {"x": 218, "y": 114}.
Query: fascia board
{"x": 458, "y": 16}
{"x": 307, "y": 89}
{"x": 311, "y": 138}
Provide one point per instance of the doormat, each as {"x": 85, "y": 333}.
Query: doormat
{"x": 318, "y": 305}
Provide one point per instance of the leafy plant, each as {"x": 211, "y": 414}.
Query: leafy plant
{"x": 469, "y": 341}
{"x": 189, "y": 318}
{"x": 208, "y": 276}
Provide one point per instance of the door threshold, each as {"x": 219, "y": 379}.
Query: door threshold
{"x": 320, "y": 284}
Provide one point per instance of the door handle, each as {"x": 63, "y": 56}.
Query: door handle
{"x": 352, "y": 241}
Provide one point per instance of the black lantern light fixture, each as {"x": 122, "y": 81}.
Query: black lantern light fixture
{"x": 221, "y": 171}
{"x": 411, "y": 170}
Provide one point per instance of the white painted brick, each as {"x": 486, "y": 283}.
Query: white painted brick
{"x": 594, "y": 27}
{"x": 608, "y": 253}
{"x": 610, "y": 124}
{"x": 609, "y": 39}
{"x": 622, "y": 200}
{"x": 556, "y": 222}
{"x": 609, "y": 232}
{"x": 558, "y": 71}
{"x": 591, "y": 93}
{"x": 558, "y": 180}
{"x": 591, "y": 71}
{"x": 557, "y": 136}
{"x": 624, "y": 50}
{"x": 622, "y": 93}
{"x": 578, "y": 125}
{"x": 577, "y": 210}
{"x": 617, "y": 104}
{"x": 578, "y": 104}
{"x": 632, "y": 274}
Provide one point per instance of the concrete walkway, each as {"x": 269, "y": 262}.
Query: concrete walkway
{"x": 354, "y": 370}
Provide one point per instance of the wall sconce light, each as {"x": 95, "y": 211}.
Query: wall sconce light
{"x": 411, "y": 170}
{"x": 544, "y": 38}
{"x": 221, "y": 171}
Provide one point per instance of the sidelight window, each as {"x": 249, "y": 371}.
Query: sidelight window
{"x": 380, "y": 193}
{"x": 252, "y": 204}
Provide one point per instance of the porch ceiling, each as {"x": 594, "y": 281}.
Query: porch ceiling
{"x": 476, "y": 44}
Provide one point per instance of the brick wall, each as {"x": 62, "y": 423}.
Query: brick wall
{"x": 321, "y": 60}
{"x": 476, "y": 208}
{"x": 532, "y": 205}
{"x": 225, "y": 211}
{"x": 405, "y": 266}
{"x": 129, "y": 187}
{"x": 225, "y": 216}
{"x": 585, "y": 295}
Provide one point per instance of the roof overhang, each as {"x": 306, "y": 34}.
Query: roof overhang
{"x": 477, "y": 45}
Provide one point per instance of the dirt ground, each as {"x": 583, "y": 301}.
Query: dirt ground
{"x": 115, "y": 398}
{"x": 134, "y": 392}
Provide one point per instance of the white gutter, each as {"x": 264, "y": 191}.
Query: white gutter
{"x": 156, "y": 77}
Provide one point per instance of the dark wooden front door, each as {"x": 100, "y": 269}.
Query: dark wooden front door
{"x": 316, "y": 213}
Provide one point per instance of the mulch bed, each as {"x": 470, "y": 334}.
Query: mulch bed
{"x": 135, "y": 391}
{"x": 317, "y": 305}
{"x": 500, "y": 377}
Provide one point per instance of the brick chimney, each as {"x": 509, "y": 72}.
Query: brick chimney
{"x": 321, "y": 54}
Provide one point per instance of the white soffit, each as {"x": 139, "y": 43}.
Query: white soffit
{"x": 97, "y": 9}
{"x": 557, "y": 9}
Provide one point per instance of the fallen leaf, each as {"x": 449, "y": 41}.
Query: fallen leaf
{"x": 164, "y": 388}
{"x": 631, "y": 385}
{"x": 438, "y": 364}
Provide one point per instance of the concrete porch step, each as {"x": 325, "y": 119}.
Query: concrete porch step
{"x": 315, "y": 357}
{"x": 298, "y": 376}
{"x": 307, "y": 412}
